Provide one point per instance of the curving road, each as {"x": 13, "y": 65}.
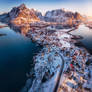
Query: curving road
{"x": 60, "y": 74}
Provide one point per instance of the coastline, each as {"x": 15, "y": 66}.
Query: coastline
{"x": 3, "y": 27}
{"x": 80, "y": 44}
{"x": 62, "y": 42}
{"x": 55, "y": 42}
{"x": 63, "y": 63}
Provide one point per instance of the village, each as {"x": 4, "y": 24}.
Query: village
{"x": 59, "y": 48}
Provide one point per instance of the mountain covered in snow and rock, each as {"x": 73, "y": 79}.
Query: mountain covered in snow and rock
{"x": 60, "y": 15}
{"x": 21, "y": 15}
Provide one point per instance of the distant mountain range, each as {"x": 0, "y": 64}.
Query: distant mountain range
{"x": 22, "y": 15}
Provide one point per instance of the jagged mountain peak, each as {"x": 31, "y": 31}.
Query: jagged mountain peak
{"x": 21, "y": 15}
{"x": 61, "y": 15}
{"x": 22, "y": 6}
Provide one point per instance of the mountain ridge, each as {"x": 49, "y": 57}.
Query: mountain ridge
{"x": 19, "y": 15}
{"x": 22, "y": 15}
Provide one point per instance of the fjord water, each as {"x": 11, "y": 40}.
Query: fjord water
{"x": 86, "y": 33}
{"x": 16, "y": 54}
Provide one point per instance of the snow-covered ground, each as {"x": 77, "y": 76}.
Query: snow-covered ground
{"x": 77, "y": 71}
{"x": 47, "y": 67}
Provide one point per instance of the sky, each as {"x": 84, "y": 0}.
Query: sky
{"x": 82, "y": 6}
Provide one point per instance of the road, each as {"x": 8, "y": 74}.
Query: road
{"x": 60, "y": 74}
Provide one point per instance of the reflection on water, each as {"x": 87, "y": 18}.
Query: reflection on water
{"x": 16, "y": 53}
{"x": 86, "y": 33}
{"x": 1, "y": 24}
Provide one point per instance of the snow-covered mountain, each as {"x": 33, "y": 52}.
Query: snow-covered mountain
{"x": 39, "y": 15}
{"x": 60, "y": 15}
{"x": 20, "y": 15}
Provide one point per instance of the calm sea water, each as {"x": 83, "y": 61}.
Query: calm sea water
{"x": 86, "y": 33}
{"x": 16, "y": 53}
